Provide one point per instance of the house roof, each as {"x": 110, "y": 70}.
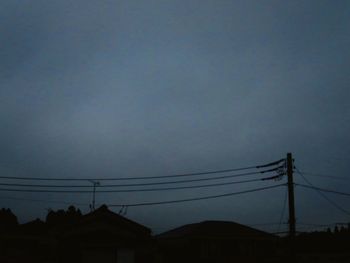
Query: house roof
{"x": 36, "y": 226}
{"x": 215, "y": 229}
{"x": 105, "y": 219}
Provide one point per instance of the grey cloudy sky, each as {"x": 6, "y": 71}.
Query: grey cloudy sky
{"x": 141, "y": 88}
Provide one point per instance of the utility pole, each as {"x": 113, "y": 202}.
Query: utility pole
{"x": 95, "y": 183}
{"x": 291, "y": 240}
{"x": 291, "y": 195}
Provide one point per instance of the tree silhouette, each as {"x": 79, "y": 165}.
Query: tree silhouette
{"x": 63, "y": 218}
{"x": 336, "y": 230}
{"x": 7, "y": 219}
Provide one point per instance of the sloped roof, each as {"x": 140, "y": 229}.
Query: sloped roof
{"x": 105, "y": 216}
{"x": 216, "y": 229}
{"x": 36, "y": 226}
{"x": 35, "y": 229}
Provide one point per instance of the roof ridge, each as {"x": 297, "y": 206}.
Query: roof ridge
{"x": 104, "y": 209}
{"x": 213, "y": 225}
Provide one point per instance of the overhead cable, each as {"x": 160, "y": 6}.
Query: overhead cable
{"x": 197, "y": 198}
{"x": 271, "y": 164}
{"x": 135, "y": 184}
{"x": 42, "y": 201}
{"x": 133, "y": 190}
{"x": 140, "y": 177}
{"x": 323, "y": 189}
{"x": 327, "y": 176}
{"x": 319, "y": 191}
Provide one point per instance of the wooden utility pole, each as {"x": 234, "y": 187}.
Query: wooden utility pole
{"x": 291, "y": 195}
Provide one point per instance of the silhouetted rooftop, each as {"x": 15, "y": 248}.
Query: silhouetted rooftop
{"x": 106, "y": 222}
{"x": 36, "y": 227}
{"x": 219, "y": 229}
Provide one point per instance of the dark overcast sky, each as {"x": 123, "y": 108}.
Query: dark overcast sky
{"x": 141, "y": 88}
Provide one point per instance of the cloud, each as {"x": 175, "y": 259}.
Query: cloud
{"x": 138, "y": 88}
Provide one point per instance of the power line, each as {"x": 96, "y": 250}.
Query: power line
{"x": 271, "y": 164}
{"x": 198, "y": 198}
{"x": 323, "y": 189}
{"x": 319, "y": 191}
{"x": 143, "y": 177}
{"x": 317, "y": 225}
{"x": 263, "y": 224}
{"x": 42, "y": 201}
{"x": 127, "y": 178}
{"x": 327, "y": 176}
{"x": 137, "y": 184}
{"x": 135, "y": 190}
